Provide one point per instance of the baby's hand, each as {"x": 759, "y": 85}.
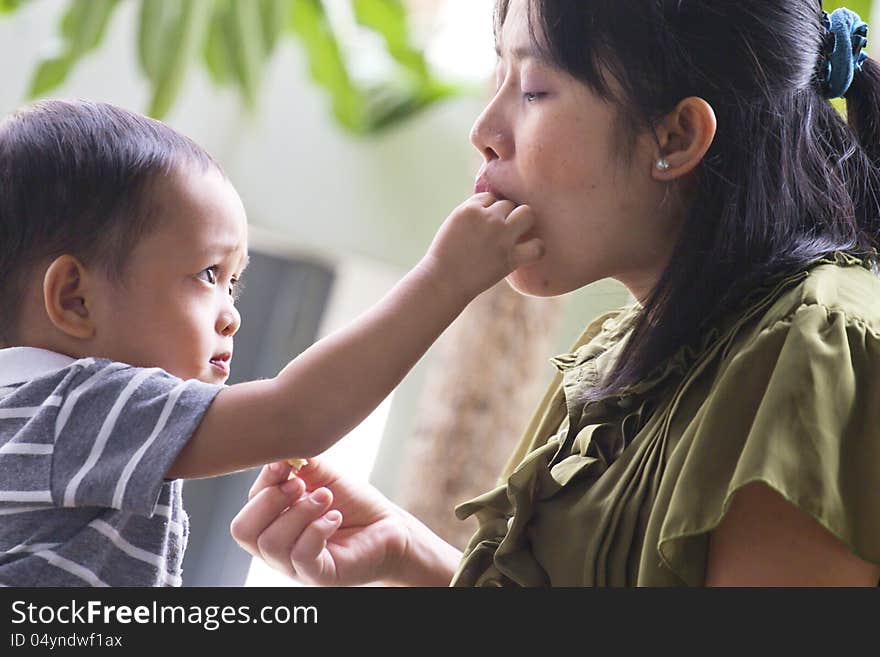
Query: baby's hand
{"x": 480, "y": 243}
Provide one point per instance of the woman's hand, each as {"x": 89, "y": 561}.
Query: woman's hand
{"x": 328, "y": 531}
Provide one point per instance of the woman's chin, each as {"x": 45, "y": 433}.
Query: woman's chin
{"x": 529, "y": 282}
{"x": 537, "y": 280}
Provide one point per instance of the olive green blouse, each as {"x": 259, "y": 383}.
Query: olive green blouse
{"x": 624, "y": 491}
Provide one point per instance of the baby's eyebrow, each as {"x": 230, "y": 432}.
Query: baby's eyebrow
{"x": 220, "y": 249}
{"x": 223, "y": 250}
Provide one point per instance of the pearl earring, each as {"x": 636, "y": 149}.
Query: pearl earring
{"x": 663, "y": 164}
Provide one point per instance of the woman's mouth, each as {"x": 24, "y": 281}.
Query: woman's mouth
{"x": 482, "y": 185}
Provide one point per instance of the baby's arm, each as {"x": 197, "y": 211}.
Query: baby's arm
{"x": 332, "y": 386}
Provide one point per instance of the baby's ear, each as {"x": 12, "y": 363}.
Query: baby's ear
{"x": 66, "y": 295}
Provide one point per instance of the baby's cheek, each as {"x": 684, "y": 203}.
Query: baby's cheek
{"x": 187, "y": 367}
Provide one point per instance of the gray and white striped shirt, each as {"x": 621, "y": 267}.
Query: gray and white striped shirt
{"x": 84, "y": 448}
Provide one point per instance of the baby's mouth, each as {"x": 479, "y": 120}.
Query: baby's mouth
{"x": 221, "y": 362}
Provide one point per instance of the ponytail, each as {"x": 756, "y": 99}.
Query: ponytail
{"x": 863, "y": 116}
{"x": 863, "y": 108}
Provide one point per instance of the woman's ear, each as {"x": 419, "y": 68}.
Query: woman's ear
{"x": 683, "y": 138}
{"x": 66, "y": 295}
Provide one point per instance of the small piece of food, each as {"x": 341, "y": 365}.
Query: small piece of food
{"x": 296, "y": 464}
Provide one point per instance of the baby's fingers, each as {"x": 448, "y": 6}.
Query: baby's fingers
{"x": 503, "y": 209}
{"x": 526, "y": 252}
{"x": 521, "y": 220}
{"x": 484, "y": 199}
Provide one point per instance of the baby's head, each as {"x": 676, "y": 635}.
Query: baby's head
{"x": 119, "y": 238}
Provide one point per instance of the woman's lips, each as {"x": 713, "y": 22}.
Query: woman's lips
{"x": 482, "y": 185}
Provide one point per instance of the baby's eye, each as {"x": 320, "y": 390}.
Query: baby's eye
{"x": 209, "y": 274}
{"x": 532, "y": 96}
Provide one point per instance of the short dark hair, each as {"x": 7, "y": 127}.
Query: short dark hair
{"x": 786, "y": 181}
{"x": 75, "y": 177}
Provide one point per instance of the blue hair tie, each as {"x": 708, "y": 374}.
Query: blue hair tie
{"x": 846, "y": 35}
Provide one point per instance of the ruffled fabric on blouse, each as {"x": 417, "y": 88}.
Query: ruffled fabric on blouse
{"x": 627, "y": 489}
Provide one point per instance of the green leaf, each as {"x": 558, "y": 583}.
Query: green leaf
{"x": 309, "y": 22}
{"x": 82, "y": 29}
{"x": 183, "y": 39}
{"x": 216, "y": 53}
{"x": 9, "y": 6}
{"x": 244, "y": 38}
{"x": 235, "y": 39}
{"x": 85, "y": 24}
{"x": 152, "y": 23}
{"x": 388, "y": 19}
{"x": 365, "y": 111}
{"x": 50, "y": 73}
{"x": 273, "y": 19}
{"x": 861, "y": 7}
{"x": 416, "y": 89}
{"x": 387, "y": 106}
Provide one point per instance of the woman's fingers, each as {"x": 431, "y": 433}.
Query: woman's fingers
{"x": 276, "y": 542}
{"x": 308, "y": 554}
{"x": 262, "y": 511}
{"x": 317, "y": 474}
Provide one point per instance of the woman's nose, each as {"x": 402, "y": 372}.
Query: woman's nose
{"x": 490, "y": 136}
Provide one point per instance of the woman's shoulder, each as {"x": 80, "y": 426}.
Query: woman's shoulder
{"x": 788, "y": 406}
{"x": 840, "y": 285}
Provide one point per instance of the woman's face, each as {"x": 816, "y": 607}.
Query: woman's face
{"x": 549, "y": 142}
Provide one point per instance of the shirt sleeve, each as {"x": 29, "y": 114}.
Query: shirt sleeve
{"x": 796, "y": 408}
{"x": 117, "y": 432}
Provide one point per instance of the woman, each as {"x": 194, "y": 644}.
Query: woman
{"x": 723, "y": 430}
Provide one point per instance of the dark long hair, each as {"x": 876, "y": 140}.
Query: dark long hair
{"x": 786, "y": 180}
{"x": 75, "y": 178}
